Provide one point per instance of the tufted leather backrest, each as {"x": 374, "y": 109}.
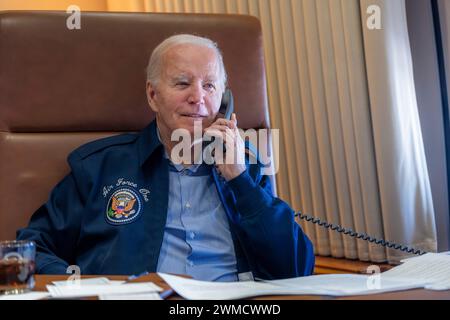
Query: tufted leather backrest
{"x": 60, "y": 88}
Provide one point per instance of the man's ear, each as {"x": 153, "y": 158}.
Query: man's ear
{"x": 151, "y": 92}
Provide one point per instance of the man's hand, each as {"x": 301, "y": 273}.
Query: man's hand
{"x": 233, "y": 159}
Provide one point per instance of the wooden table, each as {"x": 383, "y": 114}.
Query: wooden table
{"x": 416, "y": 294}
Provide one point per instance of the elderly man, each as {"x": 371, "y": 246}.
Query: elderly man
{"x": 126, "y": 207}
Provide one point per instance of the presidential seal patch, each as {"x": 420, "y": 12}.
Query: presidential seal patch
{"x": 124, "y": 206}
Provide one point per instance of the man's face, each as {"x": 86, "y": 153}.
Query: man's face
{"x": 188, "y": 90}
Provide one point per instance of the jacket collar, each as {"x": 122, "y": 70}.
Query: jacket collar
{"x": 148, "y": 142}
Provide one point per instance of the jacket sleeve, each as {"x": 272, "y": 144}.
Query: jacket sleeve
{"x": 276, "y": 242}
{"x": 55, "y": 227}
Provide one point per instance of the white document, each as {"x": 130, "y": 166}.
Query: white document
{"x": 89, "y": 281}
{"x": 432, "y": 268}
{"x": 73, "y": 291}
{"x": 135, "y": 296}
{"x": 34, "y": 295}
{"x": 332, "y": 284}
{"x": 347, "y": 284}
{"x": 205, "y": 290}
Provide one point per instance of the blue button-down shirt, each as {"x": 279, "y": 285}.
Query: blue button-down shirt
{"x": 197, "y": 238}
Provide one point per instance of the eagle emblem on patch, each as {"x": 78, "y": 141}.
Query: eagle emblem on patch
{"x": 124, "y": 206}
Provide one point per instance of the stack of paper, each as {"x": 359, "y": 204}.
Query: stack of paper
{"x": 136, "y": 296}
{"x": 103, "y": 288}
{"x": 88, "y": 281}
{"x": 433, "y": 269}
{"x": 332, "y": 284}
{"x": 34, "y": 295}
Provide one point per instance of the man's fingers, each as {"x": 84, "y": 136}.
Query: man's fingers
{"x": 220, "y": 132}
{"x": 223, "y": 133}
{"x": 233, "y": 118}
{"x": 215, "y": 133}
{"x": 229, "y": 123}
{"x": 217, "y": 127}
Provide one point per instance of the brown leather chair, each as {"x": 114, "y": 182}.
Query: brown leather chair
{"x": 60, "y": 88}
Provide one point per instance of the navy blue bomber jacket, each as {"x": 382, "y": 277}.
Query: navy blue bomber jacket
{"x": 108, "y": 214}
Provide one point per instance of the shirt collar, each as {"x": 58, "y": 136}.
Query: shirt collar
{"x": 179, "y": 167}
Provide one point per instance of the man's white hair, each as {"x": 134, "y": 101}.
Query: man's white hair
{"x": 155, "y": 61}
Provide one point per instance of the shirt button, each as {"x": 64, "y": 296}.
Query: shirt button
{"x": 191, "y": 235}
{"x": 190, "y": 263}
{"x": 188, "y": 205}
